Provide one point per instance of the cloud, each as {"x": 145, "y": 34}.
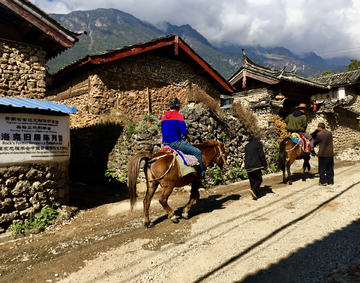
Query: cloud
{"x": 329, "y": 28}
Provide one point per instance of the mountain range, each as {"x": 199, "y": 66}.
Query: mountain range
{"x": 109, "y": 29}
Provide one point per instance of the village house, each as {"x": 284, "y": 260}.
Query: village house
{"x": 28, "y": 38}
{"x": 34, "y": 138}
{"x": 270, "y": 91}
{"x": 136, "y": 79}
{"x": 131, "y": 81}
{"x": 339, "y": 109}
{"x": 332, "y": 99}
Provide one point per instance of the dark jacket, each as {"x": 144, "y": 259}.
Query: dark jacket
{"x": 296, "y": 122}
{"x": 254, "y": 155}
{"x": 325, "y": 141}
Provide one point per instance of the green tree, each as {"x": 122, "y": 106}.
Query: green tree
{"x": 355, "y": 64}
{"x": 326, "y": 73}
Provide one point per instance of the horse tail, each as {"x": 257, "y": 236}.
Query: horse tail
{"x": 282, "y": 156}
{"x": 133, "y": 173}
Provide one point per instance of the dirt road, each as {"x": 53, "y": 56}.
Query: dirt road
{"x": 299, "y": 233}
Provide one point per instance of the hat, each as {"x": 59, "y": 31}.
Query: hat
{"x": 301, "y": 105}
{"x": 174, "y": 102}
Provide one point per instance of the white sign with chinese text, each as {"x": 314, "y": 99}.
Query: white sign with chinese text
{"x": 33, "y": 138}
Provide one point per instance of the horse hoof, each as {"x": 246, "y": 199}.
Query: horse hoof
{"x": 303, "y": 179}
{"x": 185, "y": 215}
{"x": 290, "y": 183}
{"x": 175, "y": 219}
{"x": 149, "y": 224}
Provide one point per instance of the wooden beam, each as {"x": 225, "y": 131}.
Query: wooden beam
{"x": 132, "y": 50}
{"x": 262, "y": 78}
{"x": 37, "y": 23}
{"x": 24, "y": 28}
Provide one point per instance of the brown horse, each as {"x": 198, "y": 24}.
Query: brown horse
{"x": 161, "y": 168}
{"x": 293, "y": 151}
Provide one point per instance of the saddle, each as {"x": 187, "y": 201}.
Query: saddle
{"x": 189, "y": 160}
{"x": 186, "y": 162}
{"x": 300, "y": 139}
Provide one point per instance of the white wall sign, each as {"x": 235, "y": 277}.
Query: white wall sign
{"x": 33, "y": 138}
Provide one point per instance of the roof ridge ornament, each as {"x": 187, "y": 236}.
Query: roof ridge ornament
{"x": 245, "y": 59}
{"x": 282, "y": 72}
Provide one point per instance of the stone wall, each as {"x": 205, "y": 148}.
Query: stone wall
{"x": 343, "y": 125}
{"x": 202, "y": 125}
{"x": 27, "y": 188}
{"x": 22, "y": 71}
{"x": 246, "y": 98}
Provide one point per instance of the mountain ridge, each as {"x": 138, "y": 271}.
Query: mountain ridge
{"x": 110, "y": 29}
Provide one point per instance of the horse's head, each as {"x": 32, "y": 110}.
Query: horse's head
{"x": 220, "y": 156}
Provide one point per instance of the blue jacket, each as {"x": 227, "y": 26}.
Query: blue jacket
{"x": 173, "y": 126}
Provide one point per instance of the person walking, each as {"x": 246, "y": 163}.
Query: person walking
{"x": 297, "y": 123}
{"x": 173, "y": 128}
{"x": 325, "y": 155}
{"x": 255, "y": 161}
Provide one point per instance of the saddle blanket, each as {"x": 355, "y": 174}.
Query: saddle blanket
{"x": 300, "y": 139}
{"x": 184, "y": 169}
{"x": 188, "y": 160}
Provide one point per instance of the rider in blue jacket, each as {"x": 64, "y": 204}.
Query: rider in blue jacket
{"x": 173, "y": 128}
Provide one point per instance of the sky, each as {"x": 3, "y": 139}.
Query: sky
{"x": 330, "y": 28}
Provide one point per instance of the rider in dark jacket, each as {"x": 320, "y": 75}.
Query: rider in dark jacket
{"x": 297, "y": 123}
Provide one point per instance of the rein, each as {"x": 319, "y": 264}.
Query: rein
{"x": 167, "y": 171}
{"x": 292, "y": 148}
{"x": 220, "y": 156}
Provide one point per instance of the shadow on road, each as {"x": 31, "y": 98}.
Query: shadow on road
{"x": 208, "y": 204}
{"x": 306, "y": 264}
{"x": 85, "y": 196}
{"x": 303, "y": 266}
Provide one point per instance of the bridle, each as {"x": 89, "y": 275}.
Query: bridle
{"x": 221, "y": 155}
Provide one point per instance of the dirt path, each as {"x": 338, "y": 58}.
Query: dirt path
{"x": 298, "y": 233}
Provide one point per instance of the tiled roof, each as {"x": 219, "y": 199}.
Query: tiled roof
{"x": 171, "y": 46}
{"x": 341, "y": 78}
{"x": 40, "y": 29}
{"x": 22, "y": 102}
{"x": 272, "y": 74}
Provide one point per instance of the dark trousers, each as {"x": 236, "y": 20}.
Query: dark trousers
{"x": 255, "y": 178}
{"x": 326, "y": 170}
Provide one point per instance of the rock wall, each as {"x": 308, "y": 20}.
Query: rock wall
{"x": 343, "y": 125}
{"x": 27, "y": 188}
{"x": 202, "y": 125}
{"x": 246, "y": 98}
{"x": 22, "y": 70}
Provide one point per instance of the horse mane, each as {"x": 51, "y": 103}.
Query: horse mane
{"x": 207, "y": 144}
